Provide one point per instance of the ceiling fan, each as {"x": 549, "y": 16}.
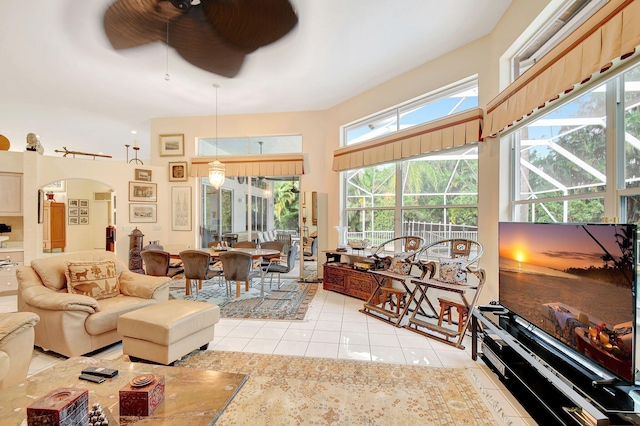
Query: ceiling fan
{"x": 214, "y": 35}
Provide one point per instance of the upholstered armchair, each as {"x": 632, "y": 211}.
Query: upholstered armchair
{"x": 16, "y": 346}
{"x": 79, "y": 297}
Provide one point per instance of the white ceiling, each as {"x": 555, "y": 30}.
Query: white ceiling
{"x": 60, "y": 78}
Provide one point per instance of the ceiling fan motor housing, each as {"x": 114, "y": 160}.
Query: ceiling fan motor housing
{"x": 181, "y": 4}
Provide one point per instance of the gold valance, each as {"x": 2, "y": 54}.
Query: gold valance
{"x": 252, "y": 165}
{"x": 449, "y": 132}
{"x": 611, "y": 34}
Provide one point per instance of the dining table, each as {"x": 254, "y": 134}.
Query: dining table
{"x": 256, "y": 253}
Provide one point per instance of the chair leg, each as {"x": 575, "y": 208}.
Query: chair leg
{"x": 237, "y": 289}
{"x": 279, "y": 280}
{"x": 199, "y": 284}
{"x": 187, "y": 283}
{"x": 246, "y": 286}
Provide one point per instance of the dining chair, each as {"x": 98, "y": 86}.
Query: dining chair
{"x": 158, "y": 263}
{"x": 313, "y": 250}
{"x": 278, "y": 265}
{"x": 285, "y": 239}
{"x": 245, "y": 244}
{"x": 196, "y": 267}
{"x": 237, "y": 266}
{"x": 272, "y": 245}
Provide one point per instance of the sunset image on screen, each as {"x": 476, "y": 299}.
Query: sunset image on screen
{"x": 565, "y": 278}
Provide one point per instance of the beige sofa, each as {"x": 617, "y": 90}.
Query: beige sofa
{"x": 16, "y": 346}
{"x": 74, "y": 324}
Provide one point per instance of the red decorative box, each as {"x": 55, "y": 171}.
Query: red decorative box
{"x": 62, "y": 406}
{"x": 142, "y": 395}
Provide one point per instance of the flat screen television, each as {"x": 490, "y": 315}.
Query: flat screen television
{"x": 575, "y": 282}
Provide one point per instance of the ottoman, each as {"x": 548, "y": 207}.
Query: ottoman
{"x": 166, "y": 331}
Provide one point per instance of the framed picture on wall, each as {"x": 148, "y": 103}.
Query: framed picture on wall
{"x": 73, "y": 211}
{"x": 171, "y": 145}
{"x": 139, "y": 191}
{"x": 143, "y": 213}
{"x": 314, "y": 208}
{"x": 178, "y": 171}
{"x": 142, "y": 174}
{"x": 73, "y": 202}
{"x": 83, "y": 203}
{"x": 73, "y": 220}
{"x": 84, "y": 220}
{"x": 181, "y": 208}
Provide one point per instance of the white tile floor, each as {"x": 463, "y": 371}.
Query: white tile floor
{"x": 333, "y": 328}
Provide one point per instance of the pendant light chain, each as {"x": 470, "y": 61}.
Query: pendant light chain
{"x": 217, "y": 86}
{"x": 167, "y": 76}
{"x": 217, "y": 170}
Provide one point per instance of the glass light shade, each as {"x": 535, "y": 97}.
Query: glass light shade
{"x": 342, "y": 236}
{"x": 216, "y": 174}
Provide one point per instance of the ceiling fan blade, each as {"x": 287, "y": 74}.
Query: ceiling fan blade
{"x": 131, "y": 23}
{"x": 250, "y": 24}
{"x": 198, "y": 43}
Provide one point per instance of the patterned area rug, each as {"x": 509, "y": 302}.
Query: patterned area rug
{"x": 291, "y": 390}
{"x": 289, "y": 302}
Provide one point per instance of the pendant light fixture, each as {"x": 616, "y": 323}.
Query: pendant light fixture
{"x": 216, "y": 168}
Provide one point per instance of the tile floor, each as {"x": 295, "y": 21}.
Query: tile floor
{"x": 334, "y": 329}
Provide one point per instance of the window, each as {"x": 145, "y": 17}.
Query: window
{"x": 250, "y": 146}
{"x": 232, "y": 210}
{"x": 458, "y": 97}
{"x": 569, "y": 16}
{"x": 435, "y": 198}
{"x": 567, "y": 164}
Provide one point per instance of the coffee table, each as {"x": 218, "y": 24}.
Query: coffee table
{"x": 194, "y": 397}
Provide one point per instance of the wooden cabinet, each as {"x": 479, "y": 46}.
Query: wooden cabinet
{"x": 8, "y": 281}
{"x": 54, "y": 226}
{"x": 10, "y": 194}
{"x": 345, "y": 279}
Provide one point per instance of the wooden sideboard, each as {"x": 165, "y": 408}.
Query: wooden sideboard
{"x": 343, "y": 278}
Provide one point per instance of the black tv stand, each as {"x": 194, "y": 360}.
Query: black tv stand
{"x": 555, "y": 387}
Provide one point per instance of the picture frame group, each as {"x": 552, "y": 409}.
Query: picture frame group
{"x": 78, "y": 211}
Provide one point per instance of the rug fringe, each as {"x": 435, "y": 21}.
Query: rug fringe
{"x": 492, "y": 402}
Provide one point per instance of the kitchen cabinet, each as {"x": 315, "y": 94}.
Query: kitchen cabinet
{"x": 9, "y": 261}
{"x": 10, "y": 194}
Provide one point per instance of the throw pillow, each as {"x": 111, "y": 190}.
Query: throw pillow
{"x": 451, "y": 271}
{"x": 97, "y": 279}
{"x": 400, "y": 266}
